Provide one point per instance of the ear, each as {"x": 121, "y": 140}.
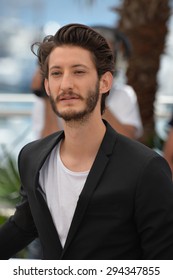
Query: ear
{"x": 46, "y": 86}
{"x": 106, "y": 82}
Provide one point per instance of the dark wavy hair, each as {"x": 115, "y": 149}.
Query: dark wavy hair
{"x": 82, "y": 36}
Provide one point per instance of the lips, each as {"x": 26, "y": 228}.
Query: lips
{"x": 68, "y": 97}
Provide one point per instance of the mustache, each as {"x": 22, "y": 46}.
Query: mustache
{"x": 68, "y": 94}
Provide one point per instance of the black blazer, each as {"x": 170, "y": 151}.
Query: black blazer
{"x": 125, "y": 210}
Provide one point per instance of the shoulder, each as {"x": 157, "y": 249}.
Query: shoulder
{"x": 135, "y": 148}
{"x": 122, "y": 99}
{"x": 148, "y": 159}
{"x": 34, "y": 153}
{"x": 124, "y": 92}
{"x": 40, "y": 143}
{"x": 137, "y": 162}
{"x": 134, "y": 152}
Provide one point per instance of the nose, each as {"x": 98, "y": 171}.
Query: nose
{"x": 66, "y": 82}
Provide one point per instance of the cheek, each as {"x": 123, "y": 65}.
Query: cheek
{"x": 51, "y": 88}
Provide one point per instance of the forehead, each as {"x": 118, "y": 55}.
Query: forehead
{"x": 70, "y": 55}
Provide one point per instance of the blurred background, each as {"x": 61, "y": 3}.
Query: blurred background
{"x": 146, "y": 24}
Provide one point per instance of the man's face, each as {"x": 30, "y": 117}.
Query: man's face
{"x": 72, "y": 83}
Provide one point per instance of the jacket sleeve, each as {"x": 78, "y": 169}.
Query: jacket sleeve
{"x": 18, "y": 231}
{"x": 154, "y": 210}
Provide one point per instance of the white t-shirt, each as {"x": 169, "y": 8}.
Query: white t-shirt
{"x": 62, "y": 188}
{"x": 122, "y": 102}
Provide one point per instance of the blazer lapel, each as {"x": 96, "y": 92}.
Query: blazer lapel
{"x": 51, "y": 238}
{"x": 51, "y": 233}
{"x": 94, "y": 176}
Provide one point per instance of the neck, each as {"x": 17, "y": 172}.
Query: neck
{"x": 81, "y": 143}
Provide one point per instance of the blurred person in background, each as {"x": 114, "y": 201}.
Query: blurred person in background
{"x": 122, "y": 111}
{"x": 122, "y": 108}
{"x": 168, "y": 145}
{"x": 88, "y": 192}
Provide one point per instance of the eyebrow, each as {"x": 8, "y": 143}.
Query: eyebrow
{"x": 73, "y": 66}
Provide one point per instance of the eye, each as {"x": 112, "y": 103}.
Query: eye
{"x": 79, "y": 72}
{"x": 55, "y": 73}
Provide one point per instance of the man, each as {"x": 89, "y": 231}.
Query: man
{"x": 88, "y": 192}
{"x": 122, "y": 108}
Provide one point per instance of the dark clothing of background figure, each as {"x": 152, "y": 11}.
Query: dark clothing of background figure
{"x": 171, "y": 121}
{"x": 40, "y": 92}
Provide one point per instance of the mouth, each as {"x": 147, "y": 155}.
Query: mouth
{"x": 68, "y": 97}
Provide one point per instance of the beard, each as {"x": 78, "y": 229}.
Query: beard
{"x": 74, "y": 115}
